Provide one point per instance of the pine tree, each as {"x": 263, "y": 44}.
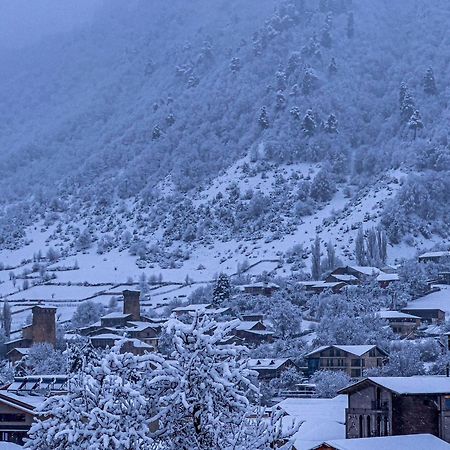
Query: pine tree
{"x": 263, "y": 118}
{"x": 360, "y": 251}
{"x": 235, "y": 65}
{"x": 156, "y": 133}
{"x": 415, "y": 122}
{"x": 402, "y": 93}
{"x": 331, "y": 124}
{"x": 281, "y": 100}
{"x": 350, "y": 25}
{"x": 408, "y": 107}
{"x": 332, "y": 68}
{"x": 309, "y": 124}
{"x": 281, "y": 79}
{"x": 6, "y": 318}
{"x": 295, "y": 113}
{"x": 372, "y": 249}
{"x": 222, "y": 289}
{"x": 316, "y": 270}
{"x": 429, "y": 83}
{"x": 309, "y": 82}
{"x": 170, "y": 119}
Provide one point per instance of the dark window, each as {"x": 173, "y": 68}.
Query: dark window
{"x": 369, "y": 432}
{"x": 447, "y": 402}
{"x": 12, "y": 417}
{"x": 361, "y": 427}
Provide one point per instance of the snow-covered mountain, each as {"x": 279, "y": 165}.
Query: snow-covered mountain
{"x": 193, "y": 137}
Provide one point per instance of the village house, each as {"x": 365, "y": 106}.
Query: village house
{"x": 427, "y": 315}
{"x": 19, "y": 400}
{"x": 141, "y": 333}
{"x": 200, "y": 308}
{"x": 253, "y": 332}
{"x": 435, "y": 257}
{"x": 353, "y": 359}
{"x": 405, "y": 442}
{"x": 402, "y": 324}
{"x": 359, "y": 274}
{"x": 390, "y": 406}
{"x": 260, "y": 288}
{"x": 271, "y": 368}
{"x": 41, "y": 330}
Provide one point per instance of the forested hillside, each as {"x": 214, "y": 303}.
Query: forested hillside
{"x": 116, "y": 133}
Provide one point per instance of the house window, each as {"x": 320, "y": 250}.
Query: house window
{"x": 361, "y": 427}
{"x": 447, "y": 402}
{"x": 12, "y": 417}
{"x": 369, "y": 431}
{"x": 355, "y": 373}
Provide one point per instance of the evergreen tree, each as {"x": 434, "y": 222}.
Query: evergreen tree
{"x": 309, "y": 124}
{"x": 316, "y": 270}
{"x": 402, "y": 92}
{"x": 6, "y": 318}
{"x": 281, "y": 79}
{"x": 415, "y": 122}
{"x": 222, "y": 289}
{"x": 382, "y": 244}
{"x": 350, "y": 25}
{"x": 331, "y": 124}
{"x": 263, "y": 118}
{"x": 170, "y": 119}
{"x": 235, "y": 65}
{"x": 323, "y": 185}
{"x": 429, "y": 83}
{"x": 332, "y": 68}
{"x": 360, "y": 251}
{"x": 309, "y": 81}
{"x": 408, "y": 107}
{"x": 156, "y": 133}
{"x": 281, "y": 100}
{"x": 295, "y": 113}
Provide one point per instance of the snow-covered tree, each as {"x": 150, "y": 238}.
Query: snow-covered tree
{"x": 360, "y": 251}
{"x": 6, "y": 318}
{"x": 331, "y": 125}
{"x": 332, "y": 68}
{"x": 263, "y": 119}
{"x": 309, "y": 123}
{"x": 156, "y": 133}
{"x": 309, "y": 81}
{"x": 43, "y": 359}
{"x": 87, "y": 313}
{"x": 235, "y": 64}
{"x": 323, "y": 186}
{"x": 407, "y": 107}
{"x": 329, "y": 382}
{"x": 415, "y": 123}
{"x": 316, "y": 270}
{"x": 106, "y": 407}
{"x": 285, "y": 317}
{"x": 429, "y": 83}
{"x": 222, "y": 289}
{"x": 203, "y": 395}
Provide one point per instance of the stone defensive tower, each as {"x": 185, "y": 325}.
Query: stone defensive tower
{"x": 132, "y": 304}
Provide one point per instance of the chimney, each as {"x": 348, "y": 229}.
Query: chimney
{"x": 44, "y": 325}
{"x": 132, "y": 304}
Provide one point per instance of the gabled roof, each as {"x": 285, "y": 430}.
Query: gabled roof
{"x": 366, "y": 270}
{"x": 395, "y": 315}
{"x": 274, "y": 363}
{"x": 115, "y": 315}
{"x": 388, "y": 277}
{"x": 435, "y": 254}
{"x": 427, "y": 384}
{"x": 248, "y": 324}
{"x": 408, "y": 441}
{"x": 357, "y": 350}
{"x": 344, "y": 277}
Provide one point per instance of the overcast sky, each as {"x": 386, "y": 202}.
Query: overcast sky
{"x": 25, "y": 21}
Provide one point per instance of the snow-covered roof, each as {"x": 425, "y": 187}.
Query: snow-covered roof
{"x": 261, "y": 284}
{"x": 141, "y": 326}
{"x": 10, "y": 446}
{"x": 266, "y": 363}
{"x": 344, "y": 277}
{"x": 323, "y": 418}
{"x": 327, "y": 284}
{"x": 426, "y": 384}
{"x": 116, "y": 315}
{"x": 357, "y": 350}
{"x": 435, "y": 254}
{"x": 366, "y": 270}
{"x": 436, "y": 300}
{"x": 194, "y": 307}
{"x": 22, "y": 350}
{"x": 409, "y": 441}
{"x": 106, "y": 336}
{"x": 247, "y": 324}
{"x": 388, "y": 277}
{"x": 395, "y": 315}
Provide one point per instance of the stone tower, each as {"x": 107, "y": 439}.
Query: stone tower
{"x": 44, "y": 325}
{"x": 132, "y": 304}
